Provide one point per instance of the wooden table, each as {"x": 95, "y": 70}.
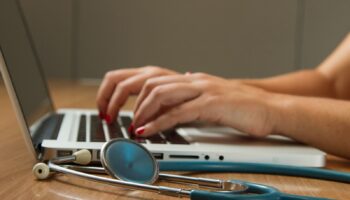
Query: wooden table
{"x": 17, "y": 181}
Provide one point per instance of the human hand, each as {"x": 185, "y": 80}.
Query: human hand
{"x": 170, "y": 100}
{"x": 117, "y": 85}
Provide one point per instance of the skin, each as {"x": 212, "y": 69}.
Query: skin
{"x": 119, "y": 84}
{"x": 310, "y": 106}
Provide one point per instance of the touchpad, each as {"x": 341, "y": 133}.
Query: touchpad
{"x": 212, "y": 134}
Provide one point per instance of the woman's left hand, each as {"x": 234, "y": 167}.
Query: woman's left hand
{"x": 170, "y": 100}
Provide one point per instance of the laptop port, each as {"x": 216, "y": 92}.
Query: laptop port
{"x": 61, "y": 153}
{"x": 158, "y": 156}
{"x": 184, "y": 156}
{"x": 98, "y": 153}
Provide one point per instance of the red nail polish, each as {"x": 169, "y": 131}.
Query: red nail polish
{"x": 131, "y": 128}
{"x": 108, "y": 119}
{"x": 140, "y": 130}
{"x": 101, "y": 115}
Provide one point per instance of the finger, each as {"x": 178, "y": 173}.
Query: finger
{"x": 164, "y": 96}
{"x": 154, "y": 82}
{"x": 108, "y": 85}
{"x": 184, "y": 113}
{"x": 121, "y": 93}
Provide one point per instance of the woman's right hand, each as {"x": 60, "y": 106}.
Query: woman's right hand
{"x": 117, "y": 85}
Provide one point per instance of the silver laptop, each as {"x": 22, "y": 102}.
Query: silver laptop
{"x": 49, "y": 132}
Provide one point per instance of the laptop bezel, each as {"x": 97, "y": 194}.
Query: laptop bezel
{"x": 4, "y": 68}
{"x": 17, "y": 107}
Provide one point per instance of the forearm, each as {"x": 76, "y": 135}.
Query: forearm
{"x": 305, "y": 83}
{"x": 319, "y": 122}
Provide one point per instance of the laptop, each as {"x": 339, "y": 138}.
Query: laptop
{"x": 51, "y": 132}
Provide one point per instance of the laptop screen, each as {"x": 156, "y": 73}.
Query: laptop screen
{"x": 22, "y": 63}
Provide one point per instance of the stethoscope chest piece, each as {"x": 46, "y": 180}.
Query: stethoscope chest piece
{"x": 129, "y": 162}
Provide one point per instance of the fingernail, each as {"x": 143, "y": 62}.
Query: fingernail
{"x": 101, "y": 115}
{"x": 131, "y": 128}
{"x": 108, "y": 119}
{"x": 188, "y": 73}
{"x": 140, "y": 130}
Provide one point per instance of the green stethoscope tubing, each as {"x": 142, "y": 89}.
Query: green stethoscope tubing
{"x": 242, "y": 167}
{"x": 259, "y": 192}
{"x": 264, "y": 192}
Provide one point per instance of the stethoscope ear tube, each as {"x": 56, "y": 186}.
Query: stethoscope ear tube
{"x": 258, "y": 192}
{"x": 253, "y": 191}
{"x": 242, "y": 167}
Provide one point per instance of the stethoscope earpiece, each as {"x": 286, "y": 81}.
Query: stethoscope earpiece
{"x": 82, "y": 157}
{"x": 41, "y": 171}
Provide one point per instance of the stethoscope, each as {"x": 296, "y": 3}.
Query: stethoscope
{"x": 132, "y": 166}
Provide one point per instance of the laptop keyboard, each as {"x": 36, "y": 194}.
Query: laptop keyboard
{"x": 119, "y": 129}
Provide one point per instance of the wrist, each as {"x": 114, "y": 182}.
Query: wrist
{"x": 282, "y": 113}
{"x": 250, "y": 82}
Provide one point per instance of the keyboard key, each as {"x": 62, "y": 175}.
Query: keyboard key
{"x": 96, "y": 130}
{"x": 173, "y": 137}
{"x": 57, "y": 118}
{"x": 115, "y": 131}
{"x": 156, "y": 139}
{"x": 82, "y": 129}
{"x": 126, "y": 121}
{"x": 132, "y": 136}
{"x": 139, "y": 140}
{"x": 48, "y": 129}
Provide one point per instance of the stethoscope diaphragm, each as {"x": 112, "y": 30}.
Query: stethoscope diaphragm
{"x": 129, "y": 161}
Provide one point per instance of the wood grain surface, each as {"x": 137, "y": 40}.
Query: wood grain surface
{"x": 17, "y": 181}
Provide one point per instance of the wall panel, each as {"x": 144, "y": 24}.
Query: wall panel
{"x": 233, "y": 38}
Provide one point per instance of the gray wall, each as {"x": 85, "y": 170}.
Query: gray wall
{"x": 50, "y": 23}
{"x": 232, "y": 38}
{"x": 326, "y": 23}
